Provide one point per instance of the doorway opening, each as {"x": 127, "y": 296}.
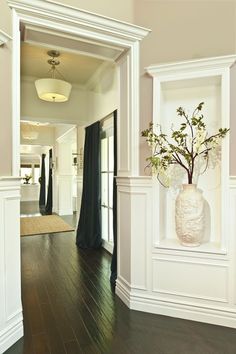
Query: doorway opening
{"x": 61, "y": 125}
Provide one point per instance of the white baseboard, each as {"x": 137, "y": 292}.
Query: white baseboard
{"x": 147, "y": 303}
{"x": 108, "y": 246}
{"x": 11, "y": 334}
{"x": 65, "y": 212}
{"x": 122, "y": 290}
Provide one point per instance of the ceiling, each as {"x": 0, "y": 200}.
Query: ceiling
{"x": 75, "y": 68}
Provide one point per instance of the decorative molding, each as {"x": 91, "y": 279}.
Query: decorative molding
{"x": 222, "y": 316}
{"x": 136, "y": 181}
{"x": 11, "y": 334}
{"x": 172, "y": 246}
{"x": 189, "y": 66}
{"x": 193, "y": 263}
{"x": 64, "y": 13}
{"x": 11, "y": 323}
{"x": 108, "y": 52}
{"x": 232, "y": 182}
{"x": 4, "y": 38}
{"x": 107, "y": 246}
{"x": 123, "y": 291}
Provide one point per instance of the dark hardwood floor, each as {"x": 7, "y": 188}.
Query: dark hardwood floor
{"x": 70, "y": 308}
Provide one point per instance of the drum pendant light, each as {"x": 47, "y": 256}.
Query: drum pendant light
{"x": 52, "y": 89}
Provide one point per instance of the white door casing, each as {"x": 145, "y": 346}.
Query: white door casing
{"x": 85, "y": 26}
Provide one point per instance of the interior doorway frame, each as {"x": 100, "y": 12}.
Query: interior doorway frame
{"x": 47, "y": 15}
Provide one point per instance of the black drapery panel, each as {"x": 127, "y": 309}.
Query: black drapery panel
{"x": 48, "y": 208}
{"x": 42, "y": 186}
{"x": 89, "y": 227}
{"x": 114, "y": 255}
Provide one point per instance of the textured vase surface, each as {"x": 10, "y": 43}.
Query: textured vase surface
{"x": 190, "y": 215}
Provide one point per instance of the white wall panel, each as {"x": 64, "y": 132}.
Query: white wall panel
{"x": 188, "y": 279}
{"x": 11, "y": 325}
{"x": 65, "y": 202}
{"x": 139, "y": 240}
{"x": 124, "y": 243}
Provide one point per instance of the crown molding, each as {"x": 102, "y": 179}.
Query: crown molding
{"x": 190, "y": 65}
{"x": 74, "y": 16}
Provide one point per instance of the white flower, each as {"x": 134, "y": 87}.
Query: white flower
{"x": 199, "y": 139}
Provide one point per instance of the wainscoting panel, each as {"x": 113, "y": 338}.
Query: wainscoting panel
{"x": 134, "y": 214}
{"x": 65, "y": 202}
{"x": 202, "y": 281}
{"x": 11, "y": 325}
{"x": 124, "y": 219}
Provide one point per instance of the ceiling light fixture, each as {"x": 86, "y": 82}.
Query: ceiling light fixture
{"x": 52, "y": 89}
{"x": 28, "y": 132}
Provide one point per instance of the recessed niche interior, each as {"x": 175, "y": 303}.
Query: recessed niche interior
{"x": 188, "y": 93}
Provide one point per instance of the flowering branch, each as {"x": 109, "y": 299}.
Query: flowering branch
{"x": 184, "y": 146}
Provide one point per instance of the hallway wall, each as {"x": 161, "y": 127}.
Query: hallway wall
{"x": 181, "y": 30}
{"x": 121, "y": 10}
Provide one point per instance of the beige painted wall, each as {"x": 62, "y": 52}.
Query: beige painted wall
{"x": 181, "y": 30}
{"x": 121, "y": 10}
{"x": 5, "y": 93}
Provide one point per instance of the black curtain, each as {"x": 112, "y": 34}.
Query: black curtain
{"x": 48, "y": 208}
{"x": 114, "y": 255}
{"x": 42, "y": 186}
{"x": 89, "y": 226}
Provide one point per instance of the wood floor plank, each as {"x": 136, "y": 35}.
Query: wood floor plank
{"x": 41, "y": 344}
{"x": 73, "y": 348}
{"x": 70, "y": 308}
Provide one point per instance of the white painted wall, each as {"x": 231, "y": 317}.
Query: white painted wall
{"x": 62, "y": 129}
{"x": 64, "y": 172}
{"x": 103, "y": 94}
{"x": 11, "y": 319}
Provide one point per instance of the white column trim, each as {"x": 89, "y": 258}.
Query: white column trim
{"x": 11, "y": 319}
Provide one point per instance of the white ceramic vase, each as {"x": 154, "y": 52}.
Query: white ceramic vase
{"x": 190, "y": 215}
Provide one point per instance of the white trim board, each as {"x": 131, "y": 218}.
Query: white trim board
{"x": 61, "y": 19}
